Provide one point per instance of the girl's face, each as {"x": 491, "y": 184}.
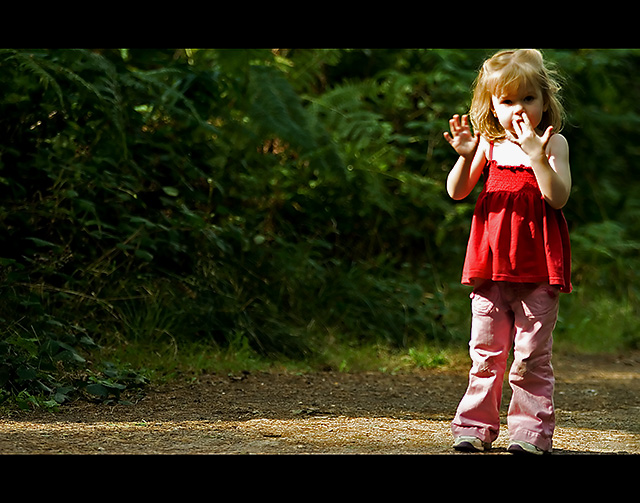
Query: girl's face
{"x": 515, "y": 102}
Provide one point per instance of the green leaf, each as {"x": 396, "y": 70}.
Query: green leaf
{"x": 42, "y": 242}
{"x": 97, "y": 389}
{"x": 144, "y": 255}
{"x": 27, "y": 373}
{"x": 171, "y": 191}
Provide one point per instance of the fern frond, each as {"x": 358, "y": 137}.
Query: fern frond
{"x": 349, "y": 114}
{"x": 172, "y": 85}
{"x": 31, "y": 62}
{"x": 275, "y": 108}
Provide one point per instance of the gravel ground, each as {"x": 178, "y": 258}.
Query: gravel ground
{"x": 597, "y": 406}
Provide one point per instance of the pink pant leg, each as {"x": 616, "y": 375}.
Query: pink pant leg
{"x": 531, "y": 415}
{"x": 492, "y": 331}
{"x": 506, "y": 315}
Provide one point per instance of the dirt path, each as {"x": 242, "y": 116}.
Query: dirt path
{"x": 597, "y": 402}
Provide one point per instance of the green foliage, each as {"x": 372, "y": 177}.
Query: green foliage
{"x": 261, "y": 200}
{"x": 43, "y": 365}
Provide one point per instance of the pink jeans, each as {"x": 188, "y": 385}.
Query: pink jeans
{"x": 507, "y": 315}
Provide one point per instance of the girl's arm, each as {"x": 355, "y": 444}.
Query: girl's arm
{"x": 465, "y": 174}
{"x": 467, "y": 170}
{"x": 553, "y": 173}
{"x": 549, "y": 156}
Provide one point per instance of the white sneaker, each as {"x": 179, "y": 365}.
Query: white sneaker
{"x": 520, "y": 447}
{"x": 470, "y": 444}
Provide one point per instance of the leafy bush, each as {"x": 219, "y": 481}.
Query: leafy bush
{"x": 284, "y": 198}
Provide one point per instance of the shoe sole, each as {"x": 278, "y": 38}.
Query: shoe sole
{"x": 518, "y": 449}
{"x": 467, "y": 447}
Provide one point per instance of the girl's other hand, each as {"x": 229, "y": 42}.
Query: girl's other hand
{"x": 463, "y": 141}
{"x": 525, "y": 136}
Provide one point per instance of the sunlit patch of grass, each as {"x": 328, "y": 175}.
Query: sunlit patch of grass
{"x": 597, "y": 322}
{"x": 383, "y": 358}
{"x": 166, "y": 361}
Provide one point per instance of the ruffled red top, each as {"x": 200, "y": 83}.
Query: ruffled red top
{"x": 515, "y": 235}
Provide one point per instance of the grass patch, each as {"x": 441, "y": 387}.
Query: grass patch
{"x": 383, "y": 358}
{"x": 587, "y": 324}
{"x": 597, "y": 323}
{"x": 168, "y": 361}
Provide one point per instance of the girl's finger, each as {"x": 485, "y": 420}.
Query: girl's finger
{"x": 453, "y": 125}
{"x": 516, "y": 126}
{"x": 547, "y": 136}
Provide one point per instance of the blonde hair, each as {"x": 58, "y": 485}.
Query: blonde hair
{"x": 505, "y": 71}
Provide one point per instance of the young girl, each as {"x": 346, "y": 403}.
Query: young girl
{"x": 518, "y": 256}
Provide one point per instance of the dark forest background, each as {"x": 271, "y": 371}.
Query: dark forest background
{"x": 276, "y": 201}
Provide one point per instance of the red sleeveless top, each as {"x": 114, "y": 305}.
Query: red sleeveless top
{"x": 515, "y": 235}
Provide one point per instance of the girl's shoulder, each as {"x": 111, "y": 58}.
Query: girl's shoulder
{"x": 558, "y": 138}
{"x": 484, "y": 146}
{"x": 557, "y": 144}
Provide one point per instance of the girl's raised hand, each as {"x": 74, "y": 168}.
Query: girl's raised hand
{"x": 463, "y": 141}
{"x": 525, "y": 136}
